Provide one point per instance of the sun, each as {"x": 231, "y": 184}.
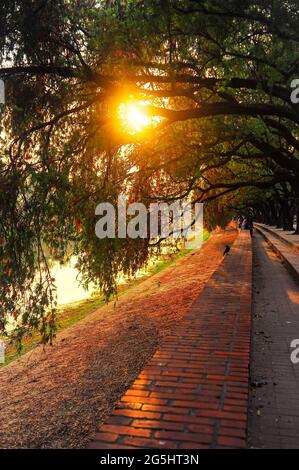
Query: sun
{"x": 133, "y": 117}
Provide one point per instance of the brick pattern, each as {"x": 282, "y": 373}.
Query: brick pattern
{"x": 193, "y": 393}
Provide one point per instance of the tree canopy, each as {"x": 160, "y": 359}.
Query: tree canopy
{"x": 213, "y": 79}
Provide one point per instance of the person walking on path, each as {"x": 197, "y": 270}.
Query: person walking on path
{"x": 244, "y": 224}
{"x": 250, "y": 227}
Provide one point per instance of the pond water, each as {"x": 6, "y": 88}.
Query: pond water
{"x": 68, "y": 286}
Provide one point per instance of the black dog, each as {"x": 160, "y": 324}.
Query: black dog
{"x": 226, "y": 251}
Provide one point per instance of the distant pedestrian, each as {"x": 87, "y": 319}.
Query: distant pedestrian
{"x": 250, "y": 228}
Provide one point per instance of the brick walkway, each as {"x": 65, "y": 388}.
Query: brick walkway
{"x": 274, "y": 397}
{"x": 193, "y": 393}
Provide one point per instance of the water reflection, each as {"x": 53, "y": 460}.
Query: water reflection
{"x": 68, "y": 286}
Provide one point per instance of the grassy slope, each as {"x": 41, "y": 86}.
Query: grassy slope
{"x": 75, "y": 311}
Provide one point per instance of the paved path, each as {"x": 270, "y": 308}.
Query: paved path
{"x": 193, "y": 393}
{"x": 286, "y": 250}
{"x": 274, "y": 403}
{"x": 288, "y": 237}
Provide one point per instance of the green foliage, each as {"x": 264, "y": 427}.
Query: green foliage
{"x": 215, "y": 73}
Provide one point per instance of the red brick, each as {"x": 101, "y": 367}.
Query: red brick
{"x": 130, "y": 405}
{"x": 241, "y": 409}
{"x": 183, "y": 436}
{"x": 159, "y": 378}
{"x": 200, "y": 428}
{"x": 231, "y": 442}
{"x": 141, "y": 400}
{"x": 239, "y": 401}
{"x": 157, "y": 390}
{"x": 138, "y": 393}
{"x": 106, "y": 436}
{"x": 119, "y": 420}
{"x": 128, "y": 430}
{"x": 157, "y": 425}
{"x": 166, "y": 409}
{"x": 187, "y": 419}
{"x": 181, "y": 374}
{"x": 175, "y": 385}
{"x": 232, "y": 423}
{"x": 141, "y": 382}
{"x": 137, "y": 414}
{"x": 222, "y": 414}
{"x": 195, "y": 404}
{"x": 175, "y": 395}
{"x": 193, "y": 445}
{"x": 154, "y": 443}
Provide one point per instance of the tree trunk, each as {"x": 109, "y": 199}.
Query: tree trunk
{"x": 272, "y": 216}
{"x": 287, "y": 219}
{"x": 279, "y": 218}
